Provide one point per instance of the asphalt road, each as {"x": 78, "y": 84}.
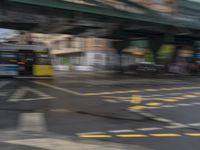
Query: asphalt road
{"x": 147, "y": 113}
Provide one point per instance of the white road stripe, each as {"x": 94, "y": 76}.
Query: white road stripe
{"x": 35, "y": 99}
{"x": 111, "y": 101}
{"x": 168, "y": 106}
{"x": 121, "y": 131}
{"x": 21, "y": 92}
{"x": 184, "y": 104}
{"x": 58, "y": 88}
{"x": 62, "y": 144}
{"x": 194, "y": 124}
{"x": 176, "y": 126}
{"x": 149, "y": 129}
{"x": 163, "y": 120}
{"x": 32, "y": 122}
{"x": 173, "y": 106}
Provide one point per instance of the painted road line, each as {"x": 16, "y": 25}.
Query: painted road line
{"x": 155, "y": 95}
{"x": 61, "y": 143}
{"x": 33, "y": 99}
{"x": 153, "y": 104}
{"x": 32, "y": 122}
{"x": 168, "y": 106}
{"x": 91, "y": 133}
{"x": 111, "y": 93}
{"x": 165, "y": 135}
{"x": 112, "y": 101}
{"x": 194, "y": 124}
{"x": 131, "y": 135}
{"x": 151, "y": 90}
{"x": 138, "y": 107}
{"x": 174, "y": 93}
{"x": 58, "y": 88}
{"x": 163, "y": 120}
{"x": 184, "y": 104}
{"x": 121, "y": 131}
{"x": 180, "y": 98}
{"x": 192, "y": 134}
{"x": 176, "y": 126}
{"x": 130, "y": 91}
{"x": 21, "y": 92}
{"x": 190, "y": 96}
{"x": 170, "y": 100}
{"x": 149, "y": 129}
{"x": 196, "y": 103}
{"x": 116, "y": 97}
{"x": 174, "y": 106}
{"x": 95, "y": 136}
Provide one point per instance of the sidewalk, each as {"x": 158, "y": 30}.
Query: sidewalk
{"x": 13, "y": 140}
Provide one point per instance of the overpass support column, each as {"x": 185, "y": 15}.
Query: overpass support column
{"x": 119, "y": 46}
{"x": 155, "y": 44}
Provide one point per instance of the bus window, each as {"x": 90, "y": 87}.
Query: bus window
{"x": 8, "y": 58}
{"x": 42, "y": 59}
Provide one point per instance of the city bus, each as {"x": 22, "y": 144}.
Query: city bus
{"x": 25, "y": 60}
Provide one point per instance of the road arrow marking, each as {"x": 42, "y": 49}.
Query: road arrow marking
{"x": 21, "y": 92}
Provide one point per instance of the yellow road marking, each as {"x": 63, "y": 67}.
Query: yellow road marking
{"x": 192, "y": 134}
{"x": 116, "y": 97}
{"x": 95, "y": 136}
{"x": 110, "y": 93}
{"x": 153, "y": 104}
{"x": 150, "y": 90}
{"x": 179, "y": 98}
{"x": 190, "y": 96}
{"x": 136, "y": 99}
{"x": 170, "y": 100}
{"x": 137, "y": 91}
{"x": 131, "y": 135}
{"x": 165, "y": 135}
{"x": 138, "y": 107}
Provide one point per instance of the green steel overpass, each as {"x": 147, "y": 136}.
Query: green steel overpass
{"x": 95, "y": 17}
{"x": 116, "y": 19}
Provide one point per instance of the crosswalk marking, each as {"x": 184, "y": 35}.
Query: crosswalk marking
{"x": 32, "y": 122}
